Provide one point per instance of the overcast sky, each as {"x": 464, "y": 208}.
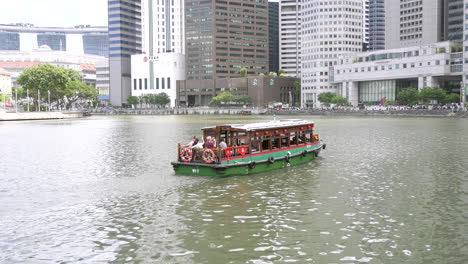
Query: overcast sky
{"x": 59, "y": 13}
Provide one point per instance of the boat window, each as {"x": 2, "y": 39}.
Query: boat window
{"x": 255, "y": 144}
{"x": 293, "y": 138}
{"x": 266, "y": 143}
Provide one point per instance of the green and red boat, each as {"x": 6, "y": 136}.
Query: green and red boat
{"x": 251, "y": 148}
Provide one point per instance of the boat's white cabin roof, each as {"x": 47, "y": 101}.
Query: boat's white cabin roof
{"x": 270, "y": 124}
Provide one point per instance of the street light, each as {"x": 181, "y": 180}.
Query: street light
{"x": 16, "y": 99}
{"x": 39, "y": 100}
{"x": 27, "y": 97}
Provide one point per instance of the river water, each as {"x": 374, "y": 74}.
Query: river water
{"x": 101, "y": 189}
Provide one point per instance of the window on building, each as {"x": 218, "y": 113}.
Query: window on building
{"x": 162, "y": 83}
{"x": 134, "y": 84}
{"x": 146, "y": 83}
{"x": 140, "y": 83}
{"x": 157, "y": 83}
{"x": 168, "y": 83}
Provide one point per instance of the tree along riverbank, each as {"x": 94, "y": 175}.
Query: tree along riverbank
{"x": 263, "y": 111}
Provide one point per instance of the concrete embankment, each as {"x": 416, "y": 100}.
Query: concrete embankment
{"x": 37, "y": 116}
{"x": 260, "y": 111}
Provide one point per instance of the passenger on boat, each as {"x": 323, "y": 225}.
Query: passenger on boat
{"x": 193, "y": 142}
{"x": 222, "y": 144}
{"x": 209, "y": 143}
{"x": 199, "y": 144}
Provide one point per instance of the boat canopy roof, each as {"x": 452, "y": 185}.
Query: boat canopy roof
{"x": 265, "y": 125}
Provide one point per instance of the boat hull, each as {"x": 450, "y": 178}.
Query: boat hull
{"x": 251, "y": 164}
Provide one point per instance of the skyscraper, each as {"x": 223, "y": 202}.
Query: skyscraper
{"x": 329, "y": 29}
{"x": 290, "y": 37}
{"x": 224, "y": 36}
{"x": 413, "y": 23}
{"x": 273, "y": 36}
{"x": 376, "y": 25}
{"x": 125, "y": 39}
{"x": 162, "y": 62}
{"x": 454, "y": 19}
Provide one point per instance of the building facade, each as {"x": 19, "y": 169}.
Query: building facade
{"x": 369, "y": 77}
{"x": 261, "y": 89}
{"x": 464, "y": 83}
{"x": 455, "y": 19}
{"x": 413, "y": 23}
{"x": 330, "y": 29}
{"x": 376, "y": 25}
{"x": 15, "y": 62}
{"x": 170, "y": 67}
{"x": 290, "y": 20}
{"x": 5, "y": 82}
{"x": 125, "y": 39}
{"x": 78, "y": 40}
{"x": 103, "y": 80}
{"x": 273, "y": 36}
{"x": 163, "y": 60}
{"x": 222, "y": 37}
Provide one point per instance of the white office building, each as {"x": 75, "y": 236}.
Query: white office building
{"x": 290, "y": 37}
{"x": 163, "y": 61}
{"x": 369, "y": 77}
{"x": 330, "y": 29}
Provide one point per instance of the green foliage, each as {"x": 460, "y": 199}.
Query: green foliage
{"x": 60, "y": 82}
{"x": 339, "y": 100}
{"x": 408, "y": 96}
{"x": 297, "y": 91}
{"x": 228, "y": 98}
{"x": 21, "y": 92}
{"x": 272, "y": 74}
{"x": 428, "y": 94}
{"x": 441, "y": 50}
{"x": 451, "y": 98}
{"x": 133, "y": 100}
{"x": 457, "y": 48}
{"x": 281, "y": 73}
{"x": 4, "y": 97}
{"x": 326, "y": 98}
{"x": 243, "y": 72}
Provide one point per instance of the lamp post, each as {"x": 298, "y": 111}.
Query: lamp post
{"x": 38, "y": 100}
{"x": 462, "y": 94}
{"x": 16, "y": 99}
{"x": 27, "y": 97}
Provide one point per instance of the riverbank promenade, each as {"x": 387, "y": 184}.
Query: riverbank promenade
{"x": 339, "y": 111}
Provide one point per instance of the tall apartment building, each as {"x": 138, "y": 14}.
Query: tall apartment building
{"x": 376, "y": 25}
{"x": 290, "y": 36}
{"x": 163, "y": 60}
{"x": 329, "y": 29}
{"x": 125, "y": 39}
{"x": 224, "y": 36}
{"x": 273, "y": 36}
{"x": 80, "y": 40}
